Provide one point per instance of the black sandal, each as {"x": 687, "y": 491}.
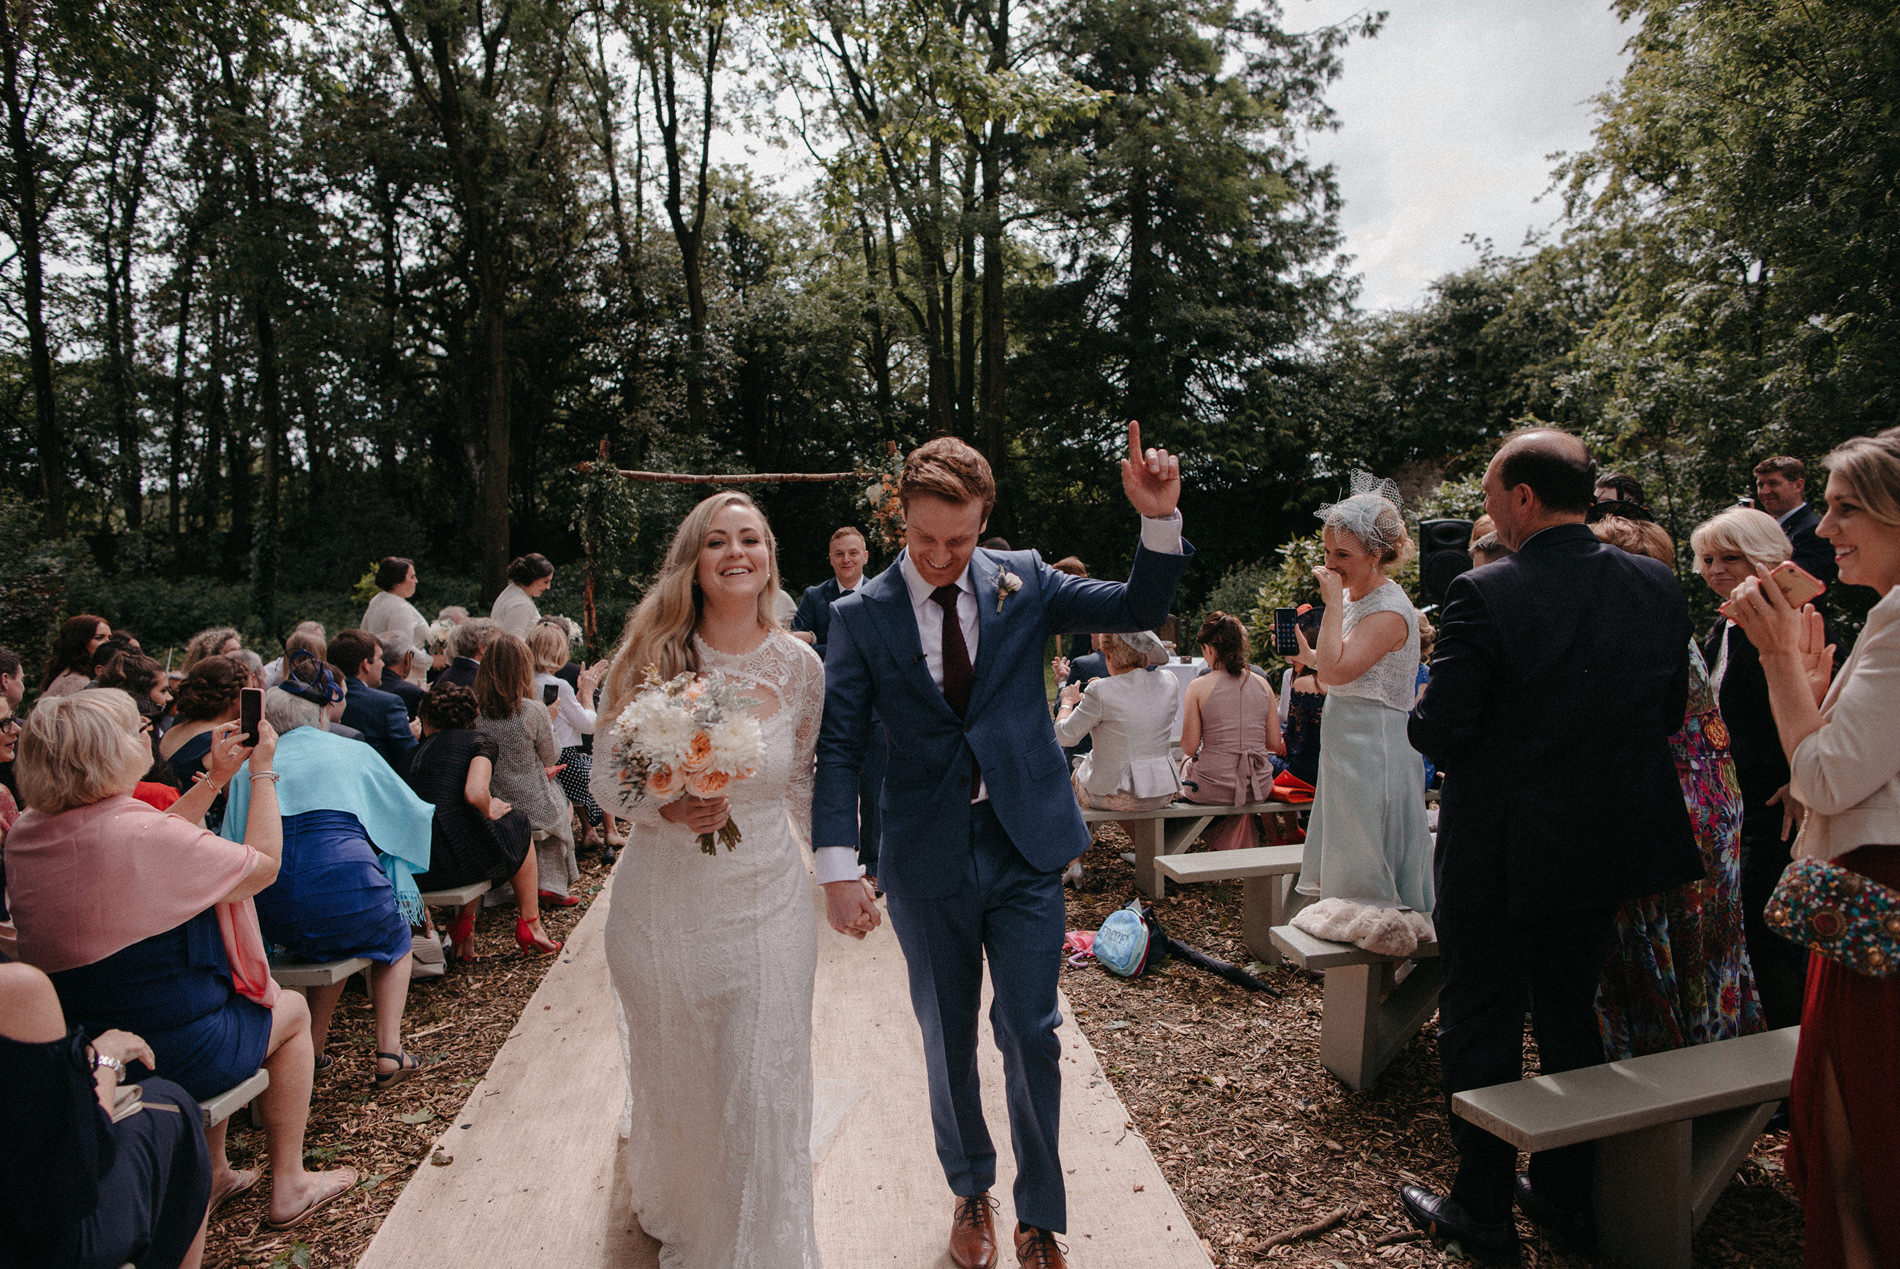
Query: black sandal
{"x": 408, "y": 1066}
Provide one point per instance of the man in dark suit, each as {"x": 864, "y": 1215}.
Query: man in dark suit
{"x": 1560, "y": 673}
{"x": 1781, "y": 490}
{"x": 379, "y": 715}
{"x": 398, "y": 659}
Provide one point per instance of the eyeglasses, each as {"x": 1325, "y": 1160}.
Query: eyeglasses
{"x": 12, "y": 723}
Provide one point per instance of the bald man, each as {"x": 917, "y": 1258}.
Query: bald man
{"x": 1560, "y": 673}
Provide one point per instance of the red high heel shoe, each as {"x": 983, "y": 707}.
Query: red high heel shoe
{"x": 533, "y": 944}
{"x": 462, "y": 938}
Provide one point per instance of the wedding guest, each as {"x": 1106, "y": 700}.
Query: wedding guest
{"x": 474, "y": 835}
{"x": 812, "y": 620}
{"x": 390, "y": 611}
{"x": 12, "y": 677}
{"x": 1781, "y": 491}
{"x": 1844, "y": 763}
{"x": 1727, "y": 548}
{"x": 1080, "y": 672}
{"x": 1131, "y": 717}
{"x": 1678, "y": 972}
{"x": 253, "y": 666}
{"x": 308, "y": 636}
{"x": 217, "y": 641}
{"x": 183, "y": 964}
{"x": 69, "y": 668}
{"x": 1367, "y": 839}
{"x": 10, "y": 725}
{"x": 78, "y": 1187}
{"x": 1302, "y": 706}
{"x": 139, "y": 677}
{"x": 453, "y": 614}
{"x": 207, "y": 698}
{"x": 1488, "y": 549}
{"x": 379, "y": 715}
{"x": 354, "y": 837}
{"x": 529, "y": 577}
{"x": 570, "y": 719}
{"x": 1076, "y": 646}
{"x": 1230, "y": 727}
{"x": 518, "y": 725}
{"x": 399, "y": 664}
{"x": 468, "y": 642}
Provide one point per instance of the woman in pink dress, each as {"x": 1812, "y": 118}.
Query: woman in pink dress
{"x": 1229, "y": 726}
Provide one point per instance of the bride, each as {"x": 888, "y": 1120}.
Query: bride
{"x": 713, "y": 956}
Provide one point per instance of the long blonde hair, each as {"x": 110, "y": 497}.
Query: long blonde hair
{"x": 659, "y": 632}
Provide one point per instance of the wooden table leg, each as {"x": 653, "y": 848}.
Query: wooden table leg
{"x": 1147, "y": 837}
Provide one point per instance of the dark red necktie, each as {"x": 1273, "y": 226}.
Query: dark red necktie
{"x": 959, "y": 676}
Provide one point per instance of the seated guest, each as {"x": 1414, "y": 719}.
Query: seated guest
{"x": 1081, "y": 671}
{"x": 77, "y": 1188}
{"x": 144, "y": 921}
{"x": 1727, "y": 547}
{"x": 308, "y": 636}
{"x": 207, "y": 698}
{"x": 390, "y": 611}
{"x": 571, "y": 716}
{"x": 467, "y": 642}
{"x": 253, "y": 666}
{"x": 218, "y": 641}
{"x": 475, "y": 836}
{"x": 1678, "y": 972}
{"x": 517, "y": 722}
{"x": 379, "y": 715}
{"x": 119, "y": 641}
{"x": 1488, "y": 549}
{"x": 69, "y": 668}
{"x": 1131, "y": 716}
{"x": 354, "y": 836}
{"x": 529, "y": 577}
{"x": 9, "y": 812}
{"x": 1844, "y": 771}
{"x": 1230, "y": 725}
{"x": 399, "y": 661}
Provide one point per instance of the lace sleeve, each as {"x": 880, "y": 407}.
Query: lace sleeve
{"x": 616, "y": 797}
{"x": 808, "y": 700}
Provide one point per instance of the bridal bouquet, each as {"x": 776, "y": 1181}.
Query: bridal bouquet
{"x": 690, "y": 734}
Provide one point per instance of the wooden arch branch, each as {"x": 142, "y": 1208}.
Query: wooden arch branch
{"x": 744, "y": 478}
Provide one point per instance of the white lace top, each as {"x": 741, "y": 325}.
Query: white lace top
{"x": 1393, "y": 678}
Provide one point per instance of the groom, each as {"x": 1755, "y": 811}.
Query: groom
{"x": 979, "y": 820}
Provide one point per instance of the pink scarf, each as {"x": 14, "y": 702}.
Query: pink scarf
{"x": 94, "y": 880}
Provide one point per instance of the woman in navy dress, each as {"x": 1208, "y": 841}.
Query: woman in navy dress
{"x": 207, "y": 697}
{"x": 144, "y": 922}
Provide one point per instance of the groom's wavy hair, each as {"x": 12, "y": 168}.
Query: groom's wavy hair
{"x": 659, "y": 632}
{"x": 951, "y": 469}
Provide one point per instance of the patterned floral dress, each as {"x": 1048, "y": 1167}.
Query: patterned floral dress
{"x": 1678, "y": 973}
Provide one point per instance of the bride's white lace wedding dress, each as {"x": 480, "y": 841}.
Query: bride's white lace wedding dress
{"x": 713, "y": 958}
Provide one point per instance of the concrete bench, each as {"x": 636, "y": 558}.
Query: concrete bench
{"x": 456, "y": 896}
{"x": 1266, "y": 875}
{"x": 1670, "y": 1130}
{"x": 1171, "y": 829}
{"x": 1370, "y": 1010}
{"x": 302, "y": 977}
{"x": 216, "y": 1110}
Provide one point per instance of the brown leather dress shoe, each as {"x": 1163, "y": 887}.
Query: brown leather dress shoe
{"x": 973, "y": 1232}
{"x": 1038, "y": 1249}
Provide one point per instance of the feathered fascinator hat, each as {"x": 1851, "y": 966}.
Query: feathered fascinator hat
{"x": 1361, "y": 514}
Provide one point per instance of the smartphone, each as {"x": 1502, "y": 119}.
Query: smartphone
{"x": 1285, "y": 642}
{"x": 1797, "y": 584}
{"x": 250, "y": 712}
{"x": 550, "y": 694}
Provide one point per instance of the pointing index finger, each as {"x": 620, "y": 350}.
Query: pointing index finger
{"x": 1134, "y": 442}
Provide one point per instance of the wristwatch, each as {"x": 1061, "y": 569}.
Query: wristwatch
{"x": 109, "y": 1062}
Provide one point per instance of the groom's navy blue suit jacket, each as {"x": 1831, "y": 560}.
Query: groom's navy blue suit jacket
{"x": 874, "y": 660}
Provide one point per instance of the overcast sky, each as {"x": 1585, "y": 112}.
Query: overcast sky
{"x": 1447, "y": 123}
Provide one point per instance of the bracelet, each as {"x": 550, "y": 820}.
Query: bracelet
{"x": 268, "y": 777}
{"x": 109, "y": 1063}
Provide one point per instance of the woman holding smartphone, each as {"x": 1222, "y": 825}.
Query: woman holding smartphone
{"x": 513, "y": 717}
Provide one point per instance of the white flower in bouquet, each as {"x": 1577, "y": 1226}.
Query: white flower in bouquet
{"x": 688, "y": 735}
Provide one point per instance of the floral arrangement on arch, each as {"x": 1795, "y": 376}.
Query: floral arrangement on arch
{"x": 887, "y": 514}
{"x": 690, "y": 734}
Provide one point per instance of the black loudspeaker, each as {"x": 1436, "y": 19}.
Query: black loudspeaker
{"x": 1441, "y": 556}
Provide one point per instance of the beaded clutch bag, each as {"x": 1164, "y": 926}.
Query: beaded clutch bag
{"x": 1840, "y": 914}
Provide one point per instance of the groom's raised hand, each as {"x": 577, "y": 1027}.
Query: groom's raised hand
{"x": 1151, "y": 478}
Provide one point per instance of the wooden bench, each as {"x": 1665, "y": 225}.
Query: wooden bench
{"x": 1670, "y": 1130}
{"x": 303, "y": 976}
{"x": 456, "y": 896}
{"x": 1156, "y": 838}
{"x": 1369, "y": 1011}
{"x": 1266, "y": 875}
{"x": 220, "y": 1108}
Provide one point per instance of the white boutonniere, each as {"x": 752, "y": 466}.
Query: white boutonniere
{"x": 1006, "y": 585}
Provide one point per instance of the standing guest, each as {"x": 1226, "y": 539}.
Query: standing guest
{"x": 10, "y": 724}
{"x": 379, "y": 715}
{"x": 69, "y": 668}
{"x": 529, "y": 577}
{"x": 1368, "y": 839}
{"x": 207, "y": 698}
{"x": 518, "y": 724}
{"x": 1678, "y": 972}
{"x": 354, "y": 837}
{"x": 184, "y": 965}
{"x": 570, "y": 718}
{"x": 217, "y": 641}
{"x": 1781, "y": 488}
{"x": 77, "y": 1188}
{"x": 1728, "y": 546}
{"x": 1619, "y": 494}
{"x": 390, "y": 611}
{"x": 1229, "y": 728}
{"x": 253, "y": 666}
{"x": 474, "y": 835}
{"x": 1528, "y": 880}
{"x": 1131, "y": 715}
{"x": 1302, "y": 707}
{"x": 12, "y": 677}
{"x": 1488, "y": 550}
{"x": 1844, "y": 762}
{"x": 468, "y": 643}
{"x": 308, "y": 636}
{"x": 141, "y": 678}
{"x": 399, "y": 664}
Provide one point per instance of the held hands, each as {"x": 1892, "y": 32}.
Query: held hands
{"x": 1150, "y": 478}
{"x": 701, "y": 815}
{"x": 851, "y": 907}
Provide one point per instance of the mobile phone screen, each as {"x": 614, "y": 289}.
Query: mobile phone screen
{"x": 1285, "y": 643}
{"x": 550, "y": 694}
{"x": 250, "y": 712}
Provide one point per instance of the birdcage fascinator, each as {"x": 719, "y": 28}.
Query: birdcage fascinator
{"x": 1364, "y": 513}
